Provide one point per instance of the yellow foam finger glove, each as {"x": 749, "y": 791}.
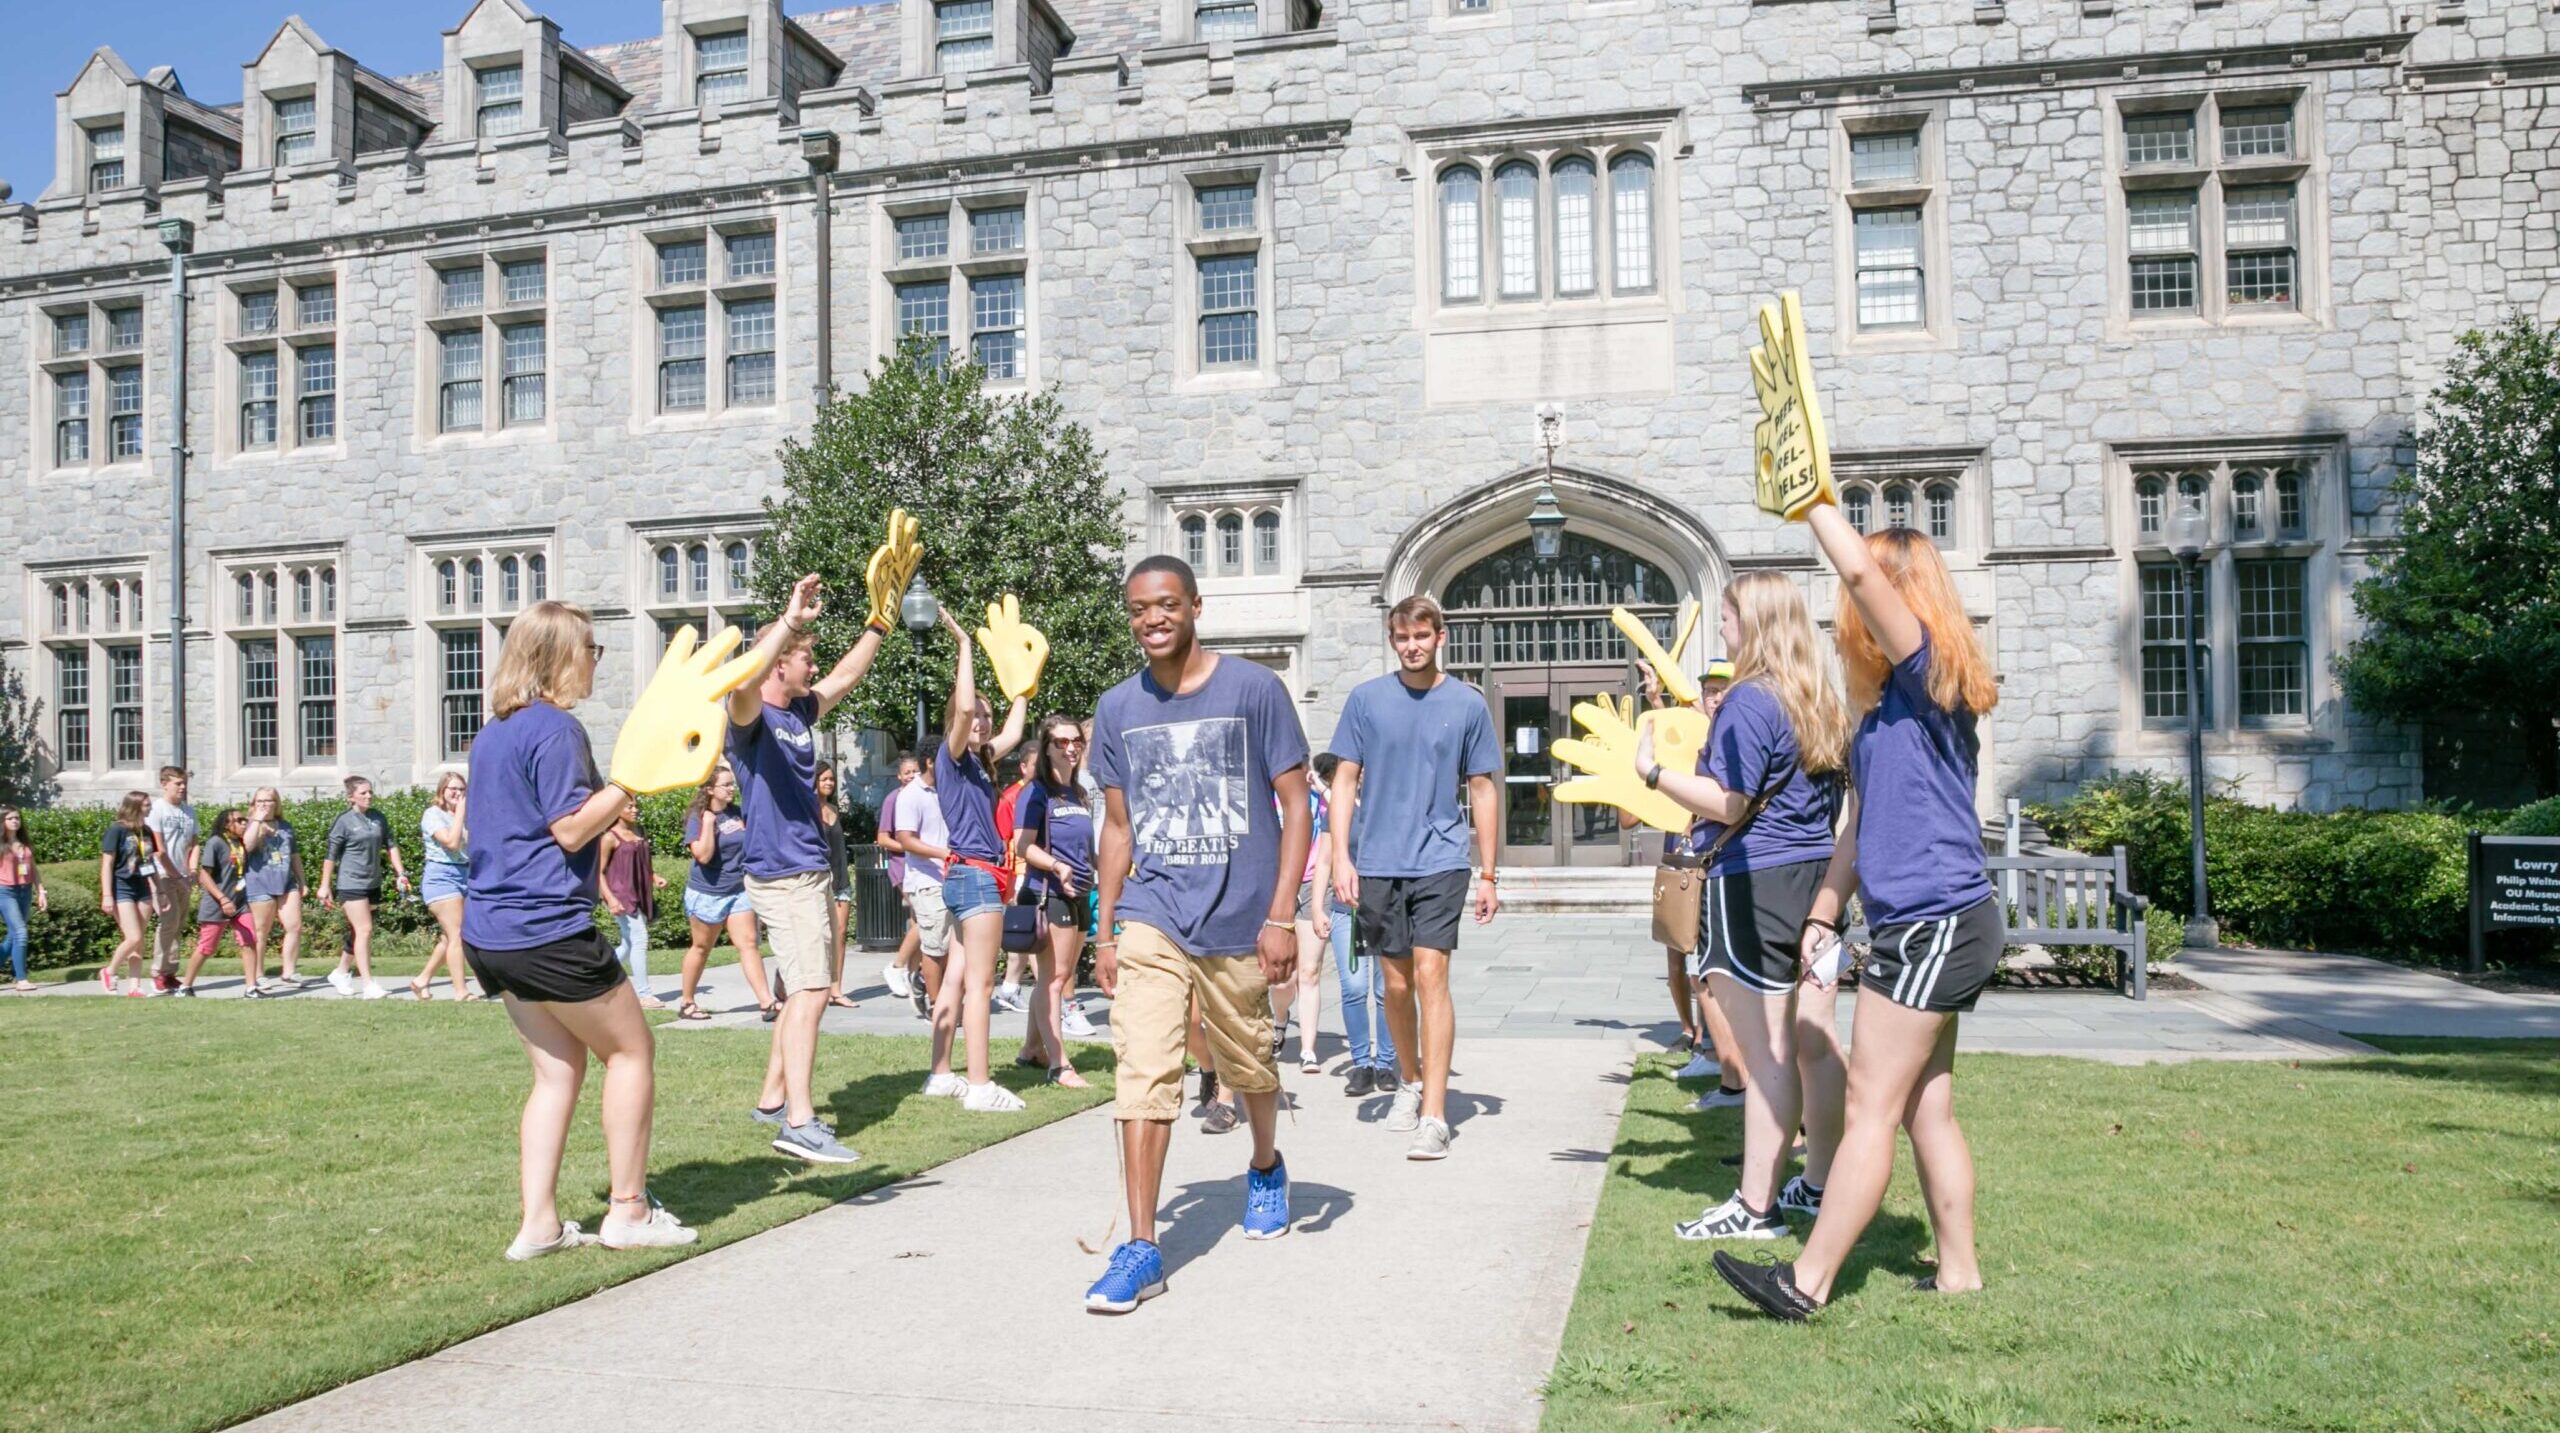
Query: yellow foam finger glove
{"x": 1682, "y": 687}
{"x": 1608, "y": 760}
{"x": 1793, "y": 451}
{"x": 672, "y": 737}
{"x": 1688, "y": 628}
{"x": 1014, "y": 648}
{"x": 893, "y": 565}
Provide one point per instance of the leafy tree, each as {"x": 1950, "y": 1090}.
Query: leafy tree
{"x": 2463, "y": 621}
{"x": 22, "y": 780}
{"x": 1009, "y": 497}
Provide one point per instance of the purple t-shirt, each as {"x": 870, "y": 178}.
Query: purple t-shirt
{"x": 1919, "y": 841}
{"x": 1196, "y": 772}
{"x": 724, "y": 874}
{"x": 776, "y": 759}
{"x": 1751, "y": 738}
{"x": 1416, "y": 750}
{"x": 968, "y": 806}
{"x": 1059, "y": 825}
{"x": 528, "y": 770}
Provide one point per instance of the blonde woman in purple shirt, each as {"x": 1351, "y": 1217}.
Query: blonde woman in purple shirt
{"x": 1911, "y": 847}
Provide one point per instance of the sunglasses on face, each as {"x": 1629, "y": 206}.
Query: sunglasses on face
{"x": 595, "y": 651}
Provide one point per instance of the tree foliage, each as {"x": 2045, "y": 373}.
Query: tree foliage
{"x": 1010, "y": 497}
{"x": 22, "y": 778}
{"x": 2464, "y": 619}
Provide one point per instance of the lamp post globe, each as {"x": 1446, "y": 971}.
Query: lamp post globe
{"x": 918, "y": 612}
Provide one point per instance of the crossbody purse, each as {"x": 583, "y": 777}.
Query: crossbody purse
{"x": 1680, "y": 884}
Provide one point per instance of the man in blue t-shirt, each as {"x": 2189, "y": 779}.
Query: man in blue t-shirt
{"x": 1204, "y": 781}
{"x": 790, "y": 885}
{"x": 1400, "y": 848}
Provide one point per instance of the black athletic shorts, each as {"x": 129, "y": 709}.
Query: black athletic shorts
{"x": 1937, "y": 965}
{"x": 576, "y": 968}
{"x": 1751, "y": 924}
{"x": 1067, "y": 911}
{"x": 1399, "y": 914}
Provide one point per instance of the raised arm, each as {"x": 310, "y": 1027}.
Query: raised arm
{"x": 839, "y": 682}
{"x": 1862, "y": 582}
{"x": 1009, "y": 735}
{"x": 959, "y": 716}
{"x": 797, "y": 614}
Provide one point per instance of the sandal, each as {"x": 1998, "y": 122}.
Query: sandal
{"x": 842, "y": 1001}
{"x": 691, "y": 1011}
{"x": 1065, "y": 1077}
{"x": 418, "y": 990}
{"x": 769, "y": 1013}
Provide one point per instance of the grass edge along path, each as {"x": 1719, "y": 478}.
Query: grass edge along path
{"x": 2331, "y": 1245}
{"x": 214, "y": 1210}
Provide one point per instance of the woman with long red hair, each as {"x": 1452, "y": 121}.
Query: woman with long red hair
{"x": 1911, "y": 846}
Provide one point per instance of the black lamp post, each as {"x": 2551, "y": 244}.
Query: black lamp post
{"x": 1546, "y": 546}
{"x": 2189, "y": 533}
{"x": 918, "y": 611}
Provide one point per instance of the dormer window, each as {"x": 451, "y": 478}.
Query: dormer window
{"x": 501, "y": 105}
{"x": 719, "y": 69}
{"x": 297, "y": 130}
{"x": 106, "y": 158}
{"x": 1227, "y": 20}
{"x": 964, "y": 36}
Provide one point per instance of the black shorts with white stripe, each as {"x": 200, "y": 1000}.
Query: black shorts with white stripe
{"x": 1750, "y": 924}
{"x": 1937, "y": 965}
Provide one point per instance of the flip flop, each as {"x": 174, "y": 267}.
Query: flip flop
{"x": 418, "y": 990}
{"x": 769, "y": 1013}
{"x": 691, "y": 1011}
{"x": 842, "y": 1001}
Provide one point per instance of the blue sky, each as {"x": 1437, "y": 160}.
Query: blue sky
{"x": 209, "y": 40}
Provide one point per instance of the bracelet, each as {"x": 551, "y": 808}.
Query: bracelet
{"x": 876, "y": 625}
{"x": 1822, "y": 925}
{"x": 1652, "y": 777}
{"x": 1280, "y": 925}
{"x": 1112, "y": 944}
{"x": 1488, "y": 877}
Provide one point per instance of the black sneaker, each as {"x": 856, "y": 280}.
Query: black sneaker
{"x": 923, "y": 1003}
{"x": 1771, "y": 1288}
{"x": 1360, "y": 1082}
{"x": 187, "y": 992}
{"x": 1208, "y": 1088}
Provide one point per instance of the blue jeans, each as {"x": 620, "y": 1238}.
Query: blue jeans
{"x": 14, "y": 904}
{"x": 1364, "y": 995}
{"x": 633, "y": 950}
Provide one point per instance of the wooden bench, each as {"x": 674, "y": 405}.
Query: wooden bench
{"x": 2072, "y": 899}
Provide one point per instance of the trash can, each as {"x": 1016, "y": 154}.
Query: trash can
{"x": 878, "y": 919}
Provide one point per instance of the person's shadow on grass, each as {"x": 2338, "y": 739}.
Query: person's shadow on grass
{"x": 1203, "y": 1212}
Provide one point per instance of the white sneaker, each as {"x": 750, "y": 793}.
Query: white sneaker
{"x": 341, "y": 982}
{"x": 1699, "y": 1067}
{"x": 373, "y": 990}
{"x": 1718, "y": 1098}
{"x": 569, "y": 1238}
{"x": 896, "y": 976}
{"x": 1406, "y": 1112}
{"x": 1009, "y": 999}
{"x": 1733, "y": 1219}
{"x": 661, "y": 1229}
{"x": 991, "y": 1099}
{"x": 945, "y": 1087}
{"x": 1074, "y": 1025}
{"x": 1430, "y": 1141}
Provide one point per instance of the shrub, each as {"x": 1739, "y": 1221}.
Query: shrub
{"x": 2542, "y": 818}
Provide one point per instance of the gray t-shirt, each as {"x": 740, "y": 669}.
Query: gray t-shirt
{"x": 176, "y": 827}
{"x": 920, "y": 815}
{"x": 1196, "y": 773}
{"x": 356, "y": 842}
{"x": 223, "y": 865}
{"x": 1416, "y": 749}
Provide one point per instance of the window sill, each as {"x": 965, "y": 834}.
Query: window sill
{"x": 1508, "y": 315}
{"x": 491, "y": 437}
{"x": 1920, "y": 339}
{"x": 1224, "y": 380}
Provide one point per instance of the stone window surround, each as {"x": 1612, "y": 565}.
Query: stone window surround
{"x": 290, "y": 336}
{"x": 282, "y": 565}
{"x": 97, "y": 361}
{"x": 489, "y": 317}
{"x": 2307, "y": 171}
{"x": 1280, "y": 657}
{"x": 1191, "y": 245}
{"x": 713, "y": 294}
{"x": 432, "y": 619}
{"x": 920, "y": 51}
{"x": 1919, "y": 469}
{"x": 1936, "y": 330}
{"x": 2322, "y": 461}
{"x": 1178, "y": 20}
{"x": 958, "y": 266}
{"x": 1243, "y": 499}
{"x": 1658, "y": 136}
{"x": 96, "y": 637}
{"x": 718, "y": 608}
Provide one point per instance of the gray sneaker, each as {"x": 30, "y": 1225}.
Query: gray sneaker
{"x": 1406, "y": 1112}
{"x": 813, "y": 1142}
{"x": 1431, "y": 1141}
{"x": 764, "y": 1116}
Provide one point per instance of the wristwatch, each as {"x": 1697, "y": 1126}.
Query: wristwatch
{"x": 1652, "y": 777}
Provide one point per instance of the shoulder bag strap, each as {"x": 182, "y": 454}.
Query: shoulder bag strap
{"x": 1769, "y": 789}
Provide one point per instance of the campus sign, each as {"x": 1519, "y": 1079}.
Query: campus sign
{"x": 2515, "y": 885}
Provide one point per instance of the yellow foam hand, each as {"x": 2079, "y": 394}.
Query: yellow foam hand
{"x": 1014, "y": 648}
{"x": 1682, "y": 687}
{"x": 1688, "y": 628}
{"x": 893, "y": 565}
{"x": 672, "y": 737}
{"x": 1793, "y": 451}
{"x": 1608, "y": 759}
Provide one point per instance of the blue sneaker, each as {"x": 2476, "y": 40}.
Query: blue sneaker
{"x": 1266, "y": 1200}
{"x": 1136, "y": 1274}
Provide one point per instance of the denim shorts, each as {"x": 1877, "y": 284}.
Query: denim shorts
{"x": 969, "y": 891}
{"x": 443, "y": 882}
{"x": 711, "y": 909}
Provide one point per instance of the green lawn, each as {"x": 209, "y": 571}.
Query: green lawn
{"x": 397, "y": 955}
{"x": 208, "y": 1210}
{"x": 2369, "y": 1244}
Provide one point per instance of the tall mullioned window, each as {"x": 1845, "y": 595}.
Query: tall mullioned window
{"x": 2212, "y": 190}
{"x": 1565, "y": 222}
{"x": 703, "y": 578}
{"x": 961, "y": 277}
{"x": 472, "y": 594}
{"x": 89, "y": 390}
{"x": 1886, "y": 209}
{"x": 283, "y": 342}
{"x": 714, "y": 318}
{"x": 720, "y": 69}
{"x": 490, "y": 342}
{"x": 93, "y": 625}
{"x": 1226, "y": 239}
{"x": 297, "y": 130}
{"x": 964, "y": 36}
{"x": 2255, "y": 621}
{"x": 280, "y": 618}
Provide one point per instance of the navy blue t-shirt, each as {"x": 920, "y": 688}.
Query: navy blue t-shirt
{"x": 968, "y": 796}
{"x": 1196, "y": 773}
{"x": 1059, "y": 825}
{"x": 1415, "y": 749}
{"x": 776, "y": 760}
{"x": 528, "y": 769}
{"x": 1751, "y": 738}
{"x": 725, "y": 874}
{"x": 1919, "y": 841}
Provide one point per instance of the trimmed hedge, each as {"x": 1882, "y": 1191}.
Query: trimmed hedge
{"x": 2392, "y": 882}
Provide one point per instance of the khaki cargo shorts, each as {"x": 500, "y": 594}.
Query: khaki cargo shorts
{"x": 799, "y": 924}
{"x": 1151, "y": 1010}
{"x": 933, "y": 920}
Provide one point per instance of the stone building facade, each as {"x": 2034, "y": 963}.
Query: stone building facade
{"x": 536, "y": 322}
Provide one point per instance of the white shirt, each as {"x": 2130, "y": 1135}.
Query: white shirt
{"x": 920, "y": 815}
